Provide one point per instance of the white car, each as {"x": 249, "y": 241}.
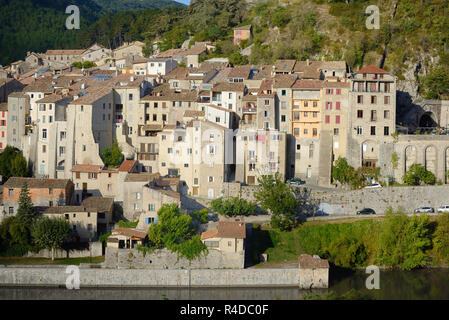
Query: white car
{"x": 444, "y": 208}
{"x": 374, "y": 185}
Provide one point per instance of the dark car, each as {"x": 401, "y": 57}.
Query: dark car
{"x": 366, "y": 211}
{"x": 295, "y": 181}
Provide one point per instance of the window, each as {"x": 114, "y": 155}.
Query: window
{"x": 306, "y": 103}
{"x": 78, "y": 175}
{"x": 136, "y": 206}
{"x": 306, "y": 114}
{"x": 211, "y": 179}
{"x": 211, "y": 244}
{"x": 211, "y": 149}
{"x": 62, "y": 135}
{"x": 296, "y": 131}
{"x": 44, "y": 148}
{"x": 92, "y": 175}
{"x": 163, "y": 164}
{"x": 336, "y": 131}
{"x": 170, "y": 150}
{"x": 337, "y": 119}
{"x": 138, "y": 195}
{"x": 386, "y": 114}
{"x": 296, "y": 115}
{"x": 11, "y": 192}
{"x": 337, "y": 105}
{"x": 373, "y": 115}
{"x": 386, "y": 131}
{"x": 44, "y": 134}
{"x": 306, "y": 131}
{"x": 338, "y": 91}
{"x": 373, "y": 130}
{"x": 267, "y": 102}
{"x": 130, "y": 96}
{"x": 311, "y": 151}
{"x": 283, "y": 118}
{"x": 11, "y": 210}
{"x": 84, "y": 147}
{"x": 328, "y": 105}
{"x": 328, "y": 91}
{"x": 315, "y": 114}
{"x": 266, "y": 114}
{"x": 359, "y": 130}
{"x": 217, "y": 119}
{"x": 315, "y": 132}
{"x": 360, "y": 114}
{"x": 386, "y": 100}
{"x": 283, "y": 92}
{"x": 327, "y": 119}
{"x": 360, "y": 99}
{"x": 283, "y": 105}
{"x": 315, "y": 103}
{"x": 373, "y": 99}
{"x": 61, "y": 151}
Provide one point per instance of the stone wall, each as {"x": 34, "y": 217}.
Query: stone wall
{"x": 379, "y": 199}
{"x": 165, "y": 259}
{"x": 151, "y": 278}
{"x": 96, "y": 250}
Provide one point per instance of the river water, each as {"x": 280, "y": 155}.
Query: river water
{"x": 430, "y": 284}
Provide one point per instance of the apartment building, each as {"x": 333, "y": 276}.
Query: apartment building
{"x": 229, "y": 96}
{"x": 3, "y": 125}
{"x": 242, "y": 33}
{"x": 51, "y": 126}
{"x": 17, "y": 119}
{"x": 335, "y": 113}
{"x": 372, "y": 101}
{"x": 201, "y": 154}
{"x": 161, "y": 66}
{"x": 267, "y": 113}
{"x": 128, "y": 49}
{"x": 259, "y": 152}
{"x": 306, "y": 107}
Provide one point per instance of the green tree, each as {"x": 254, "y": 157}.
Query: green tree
{"x": 112, "y": 156}
{"x": 201, "y": 215}
{"x": 12, "y": 163}
{"x": 404, "y": 240}
{"x": 233, "y": 206}
{"x": 277, "y": 197}
{"x": 50, "y": 233}
{"x": 417, "y": 174}
{"x": 441, "y": 238}
{"x": 26, "y": 213}
{"x": 176, "y": 232}
{"x": 342, "y": 171}
{"x": 436, "y": 84}
{"x": 237, "y": 59}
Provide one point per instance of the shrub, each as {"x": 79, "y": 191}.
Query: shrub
{"x": 128, "y": 224}
{"x": 418, "y": 174}
{"x": 441, "y": 238}
{"x": 200, "y": 215}
{"x": 233, "y": 207}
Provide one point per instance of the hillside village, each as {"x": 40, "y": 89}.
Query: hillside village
{"x": 188, "y": 129}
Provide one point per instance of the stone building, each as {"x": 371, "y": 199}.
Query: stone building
{"x": 43, "y": 192}
{"x": 3, "y": 125}
{"x": 242, "y": 33}
{"x": 313, "y": 272}
{"x": 229, "y": 237}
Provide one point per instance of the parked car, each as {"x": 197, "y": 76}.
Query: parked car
{"x": 425, "y": 210}
{"x": 295, "y": 181}
{"x": 444, "y": 208}
{"x": 366, "y": 211}
{"x": 374, "y": 185}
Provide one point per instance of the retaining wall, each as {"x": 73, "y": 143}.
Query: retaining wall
{"x": 96, "y": 250}
{"x": 19, "y": 276}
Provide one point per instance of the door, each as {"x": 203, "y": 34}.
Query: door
{"x": 195, "y": 191}
{"x": 309, "y": 172}
{"x": 210, "y": 193}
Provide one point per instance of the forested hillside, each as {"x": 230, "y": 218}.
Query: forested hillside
{"x": 38, "y": 25}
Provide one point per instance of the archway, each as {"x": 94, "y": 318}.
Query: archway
{"x": 428, "y": 119}
{"x": 370, "y": 153}
{"x": 410, "y": 157}
{"x": 431, "y": 159}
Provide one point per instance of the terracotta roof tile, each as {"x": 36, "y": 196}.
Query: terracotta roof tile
{"x": 227, "y": 229}
{"x": 17, "y": 182}
{"x": 98, "y": 204}
{"x": 87, "y": 168}
{"x": 127, "y": 165}
{"x": 372, "y": 69}
{"x": 129, "y": 232}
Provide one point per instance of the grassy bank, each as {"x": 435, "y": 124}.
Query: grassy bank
{"x": 396, "y": 241}
{"x": 47, "y": 261}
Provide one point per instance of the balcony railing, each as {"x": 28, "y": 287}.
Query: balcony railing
{"x": 249, "y": 110}
{"x": 59, "y": 168}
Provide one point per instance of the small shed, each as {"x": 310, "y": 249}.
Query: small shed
{"x": 313, "y": 272}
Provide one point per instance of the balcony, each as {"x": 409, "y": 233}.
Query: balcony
{"x": 250, "y": 110}
{"x": 59, "y": 168}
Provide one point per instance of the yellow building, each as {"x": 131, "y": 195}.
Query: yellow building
{"x": 306, "y": 108}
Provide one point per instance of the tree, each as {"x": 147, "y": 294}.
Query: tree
{"x": 176, "y": 232}
{"x": 233, "y": 206}
{"x": 436, "y": 84}
{"x": 441, "y": 238}
{"x": 277, "y": 197}
{"x": 26, "y": 213}
{"x": 342, "y": 171}
{"x": 50, "y": 233}
{"x": 112, "y": 156}
{"x": 418, "y": 174}
{"x": 404, "y": 240}
{"x": 12, "y": 163}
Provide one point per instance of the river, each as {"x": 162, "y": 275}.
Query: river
{"x": 432, "y": 284}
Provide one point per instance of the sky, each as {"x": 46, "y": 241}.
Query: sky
{"x": 183, "y": 1}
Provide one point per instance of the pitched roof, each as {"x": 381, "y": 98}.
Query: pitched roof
{"x": 52, "y": 98}
{"x": 284, "y": 80}
{"x": 64, "y": 209}
{"x": 226, "y": 86}
{"x": 240, "y": 72}
{"x": 99, "y": 204}
{"x": 66, "y": 52}
{"x": 284, "y": 65}
{"x": 372, "y": 69}
{"x": 308, "y": 262}
{"x": 227, "y": 229}
{"x": 307, "y": 84}
{"x": 17, "y": 182}
{"x": 127, "y": 165}
{"x": 169, "y": 53}
{"x": 247, "y": 27}
{"x": 87, "y": 168}
{"x": 129, "y": 232}
{"x": 195, "y": 50}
